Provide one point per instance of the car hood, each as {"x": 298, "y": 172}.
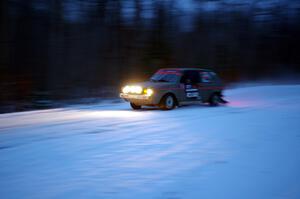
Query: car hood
{"x": 149, "y": 84}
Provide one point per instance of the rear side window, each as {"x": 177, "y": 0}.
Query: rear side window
{"x": 207, "y": 77}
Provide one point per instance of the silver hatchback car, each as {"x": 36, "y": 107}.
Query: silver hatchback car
{"x": 172, "y": 87}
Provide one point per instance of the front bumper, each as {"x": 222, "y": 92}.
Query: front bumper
{"x": 137, "y": 99}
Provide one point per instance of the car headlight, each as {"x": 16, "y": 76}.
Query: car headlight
{"x": 132, "y": 89}
{"x": 136, "y": 89}
{"x": 148, "y": 92}
{"x": 126, "y": 89}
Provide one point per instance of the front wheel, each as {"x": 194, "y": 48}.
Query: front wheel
{"x": 168, "y": 102}
{"x": 134, "y": 106}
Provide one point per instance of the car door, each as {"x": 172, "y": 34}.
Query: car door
{"x": 206, "y": 83}
{"x": 189, "y": 81}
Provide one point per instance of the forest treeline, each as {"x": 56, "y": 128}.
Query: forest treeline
{"x": 77, "y": 48}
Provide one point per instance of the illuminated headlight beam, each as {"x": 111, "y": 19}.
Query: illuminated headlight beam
{"x": 132, "y": 89}
{"x": 148, "y": 92}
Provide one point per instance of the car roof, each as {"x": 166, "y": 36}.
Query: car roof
{"x": 186, "y": 69}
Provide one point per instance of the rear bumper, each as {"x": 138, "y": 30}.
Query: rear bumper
{"x": 137, "y": 99}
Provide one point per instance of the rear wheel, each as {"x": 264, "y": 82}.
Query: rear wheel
{"x": 134, "y": 106}
{"x": 168, "y": 102}
{"x": 215, "y": 99}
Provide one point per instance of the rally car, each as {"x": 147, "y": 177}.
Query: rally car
{"x": 172, "y": 87}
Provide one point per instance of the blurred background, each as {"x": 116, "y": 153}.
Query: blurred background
{"x": 54, "y": 51}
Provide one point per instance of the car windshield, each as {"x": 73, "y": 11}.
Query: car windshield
{"x": 166, "y": 76}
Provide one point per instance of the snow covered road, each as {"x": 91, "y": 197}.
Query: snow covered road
{"x": 247, "y": 149}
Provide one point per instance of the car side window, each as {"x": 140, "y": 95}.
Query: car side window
{"x": 206, "y": 77}
{"x": 190, "y": 76}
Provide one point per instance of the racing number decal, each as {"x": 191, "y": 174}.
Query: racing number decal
{"x": 191, "y": 92}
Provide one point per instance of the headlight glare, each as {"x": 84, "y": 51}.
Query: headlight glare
{"x": 148, "y": 91}
{"x": 126, "y": 89}
{"x": 132, "y": 89}
{"x": 136, "y": 89}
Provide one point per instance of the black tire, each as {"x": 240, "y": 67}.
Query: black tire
{"x": 168, "y": 102}
{"x": 134, "y": 106}
{"x": 214, "y": 99}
